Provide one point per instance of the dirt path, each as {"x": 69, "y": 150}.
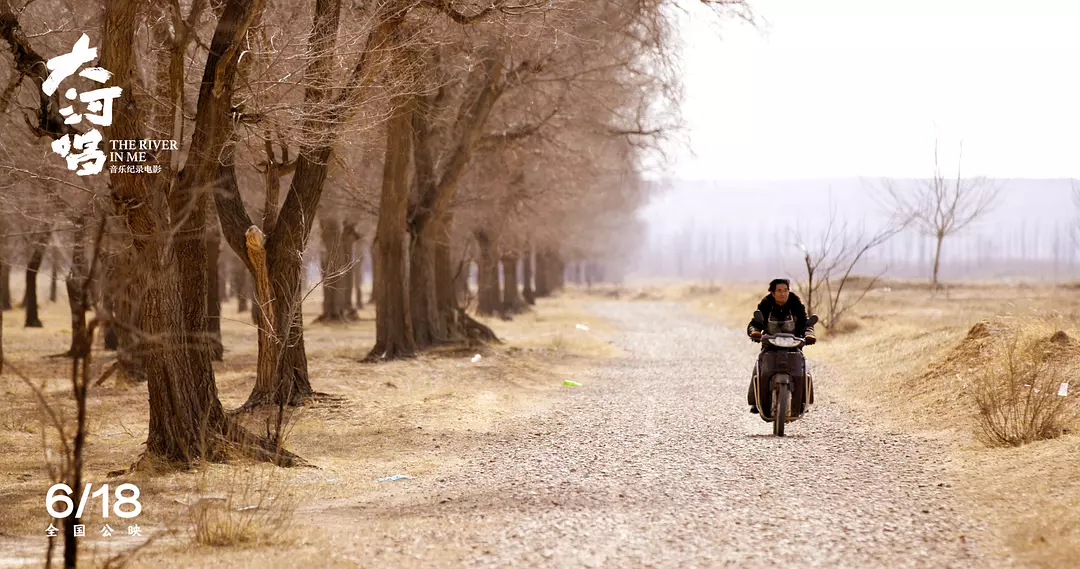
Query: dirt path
{"x": 656, "y": 462}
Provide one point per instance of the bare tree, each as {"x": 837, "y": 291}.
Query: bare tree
{"x": 831, "y": 262}
{"x": 940, "y": 207}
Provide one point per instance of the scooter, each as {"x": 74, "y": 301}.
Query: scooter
{"x": 783, "y": 386}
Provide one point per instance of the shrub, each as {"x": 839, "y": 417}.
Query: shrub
{"x": 1017, "y": 396}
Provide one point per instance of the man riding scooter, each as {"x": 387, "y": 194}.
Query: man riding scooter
{"x": 782, "y": 312}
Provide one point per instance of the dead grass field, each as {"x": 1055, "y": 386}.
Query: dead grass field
{"x": 405, "y": 417}
{"x": 906, "y": 357}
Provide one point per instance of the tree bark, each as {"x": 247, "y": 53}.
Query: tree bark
{"x": 489, "y": 299}
{"x": 393, "y": 319}
{"x": 213, "y": 292}
{"x": 511, "y": 298}
{"x": 527, "y": 277}
{"x": 30, "y": 301}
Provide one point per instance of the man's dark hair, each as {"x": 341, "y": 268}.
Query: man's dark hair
{"x": 774, "y": 282}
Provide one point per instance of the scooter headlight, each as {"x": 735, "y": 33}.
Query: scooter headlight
{"x": 784, "y": 342}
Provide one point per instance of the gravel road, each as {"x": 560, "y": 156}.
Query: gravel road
{"x": 657, "y": 462}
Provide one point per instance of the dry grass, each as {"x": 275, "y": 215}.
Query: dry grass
{"x": 255, "y": 510}
{"x": 416, "y": 417}
{"x": 922, "y": 361}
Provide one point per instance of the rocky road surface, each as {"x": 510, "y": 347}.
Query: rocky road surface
{"x": 657, "y": 462}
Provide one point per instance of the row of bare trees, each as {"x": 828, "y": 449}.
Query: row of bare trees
{"x": 450, "y": 134}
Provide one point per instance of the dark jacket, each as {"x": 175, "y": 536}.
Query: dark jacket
{"x": 793, "y": 306}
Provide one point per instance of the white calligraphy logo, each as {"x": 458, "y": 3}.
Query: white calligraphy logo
{"x": 99, "y": 101}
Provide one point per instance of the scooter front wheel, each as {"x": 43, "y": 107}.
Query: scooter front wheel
{"x": 783, "y": 399}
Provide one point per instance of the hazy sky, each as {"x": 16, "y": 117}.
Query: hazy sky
{"x": 836, "y": 88}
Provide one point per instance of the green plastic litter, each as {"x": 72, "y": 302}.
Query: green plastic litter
{"x": 569, "y": 383}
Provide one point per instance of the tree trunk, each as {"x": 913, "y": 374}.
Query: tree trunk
{"x": 489, "y": 300}
{"x": 558, "y": 270}
{"x": 427, "y": 325}
{"x": 122, "y": 304}
{"x": 512, "y": 302}
{"x": 111, "y": 339}
{"x": 5, "y": 268}
{"x": 76, "y": 289}
{"x": 37, "y": 254}
{"x": 282, "y": 376}
{"x": 937, "y": 260}
{"x": 333, "y": 272}
{"x": 393, "y": 320}
{"x": 357, "y": 278}
{"x": 213, "y": 292}
{"x": 242, "y": 287}
{"x": 544, "y": 280}
{"x": 5, "y": 285}
{"x": 349, "y": 237}
{"x": 375, "y": 280}
{"x": 461, "y": 283}
{"x": 227, "y": 278}
{"x": 5, "y": 296}
{"x": 54, "y": 267}
{"x": 527, "y": 276}
{"x": 293, "y": 369}
{"x": 288, "y": 381}
{"x": 447, "y": 280}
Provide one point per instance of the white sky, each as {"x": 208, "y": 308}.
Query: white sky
{"x": 839, "y": 88}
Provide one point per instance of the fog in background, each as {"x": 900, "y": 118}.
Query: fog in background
{"x": 821, "y": 100}
{"x": 747, "y": 229}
